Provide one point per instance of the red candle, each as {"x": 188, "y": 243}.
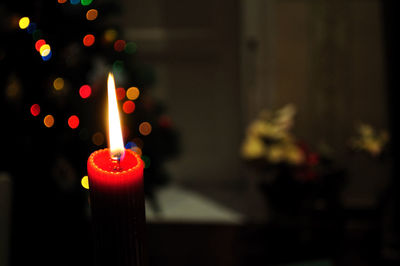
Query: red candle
{"x": 116, "y": 197}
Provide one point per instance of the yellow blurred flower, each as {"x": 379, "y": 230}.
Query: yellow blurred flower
{"x": 253, "y": 148}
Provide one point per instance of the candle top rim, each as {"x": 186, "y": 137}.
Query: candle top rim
{"x": 139, "y": 163}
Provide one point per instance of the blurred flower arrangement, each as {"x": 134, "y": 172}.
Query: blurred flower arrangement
{"x": 270, "y": 144}
{"x": 369, "y": 140}
{"x": 293, "y": 177}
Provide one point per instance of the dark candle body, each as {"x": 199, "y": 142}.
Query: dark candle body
{"x": 117, "y": 207}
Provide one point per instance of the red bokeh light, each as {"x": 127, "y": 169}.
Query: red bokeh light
{"x": 35, "y": 109}
{"x": 88, "y": 40}
{"x": 85, "y": 91}
{"x": 120, "y": 93}
{"x": 73, "y": 121}
{"x": 128, "y": 107}
{"x": 119, "y": 45}
{"x": 39, "y": 44}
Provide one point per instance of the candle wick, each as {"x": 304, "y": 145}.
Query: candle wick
{"x": 117, "y": 164}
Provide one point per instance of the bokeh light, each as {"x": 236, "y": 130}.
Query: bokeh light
{"x": 62, "y": 1}
{"x": 35, "y": 109}
{"x": 129, "y": 145}
{"x": 85, "y": 91}
{"x": 128, "y": 107}
{"x": 73, "y": 121}
{"x": 39, "y": 44}
{"x": 24, "y": 22}
{"x": 58, "y": 84}
{"x": 86, "y": 2}
{"x": 48, "y": 120}
{"x": 137, "y": 150}
{"x": 31, "y": 28}
{"x": 74, "y": 2}
{"x": 110, "y": 35}
{"x": 130, "y": 48}
{"x": 85, "y": 182}
{"x": 91, "y": 14}
{"x": 146, "y": 161}
{"x": 119, "y": 45}
{"x": 120, "y": 93}
{"x": 139, "y": 142}
{"x": 45, "y": 50}
{"x": 98, "y": 138}
{"x": 47, "y": 57}
{"x": 145, "y": 128}
{"x": 118, "y": 66}
{"x": 132, "y": 93}
{"x": 88, "y": 40}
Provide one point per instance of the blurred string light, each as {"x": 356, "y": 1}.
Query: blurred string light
{"x": 24, "y": 23}
{"x": 98, "y": 138}
{"x": 85, "y": 91}
{"x": 137, "y": 150}
{"x": 146, "y": 161}
{"x": 110, "y": 35}
{"x": 145, "y": 128}
{"x": 139, "y": 142}
{"x": 86, "y": 2}
{"x": 119, "y": 45}
{"x": 128, "y": 107}
{"x": 62, "y": 1}
{"x": 85, "y": 182}
{"x": 120, "y": 92}
{"x": 31, "y": 28}
{"x": 74, "y": 2}
{"x": 88, "y": 40}
{"x": 132, "y": 93}
{"x": 91, "y": 14}
{"x": 35, "y": 109}
{"x": 130, "y": 48}
{"x": 130, "y": 145}
{"x": 39, "y": 44}
{"x": 73, "y": 121}
{"x": 58, "y": 84}
{"x": 48, "y": 121}
{"x": 47, "y": 57}
{"x": 118, "y": 66}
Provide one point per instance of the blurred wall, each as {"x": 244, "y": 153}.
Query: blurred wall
{"x": 193, "y": 46}
{"x": 326, "y": 57}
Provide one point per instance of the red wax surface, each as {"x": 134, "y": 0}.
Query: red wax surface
{"x": 104, "y": 171}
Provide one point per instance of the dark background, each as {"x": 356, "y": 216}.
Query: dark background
{"x": 210, "y": 66}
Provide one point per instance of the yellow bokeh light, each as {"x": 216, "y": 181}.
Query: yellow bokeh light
{"x": 98, "y": 138}
{"x": 58, "y": 84}
{"x": 91, "y": 14}
{"x": 24, "y": 22}
{"x": 48, "y": 121}
{"x": 110, "y": 35}
{"x": 132, "y": 93}
{"x": 85, "y": 182}
{"x": 45, "y": 50}
{"x": 145, "y": 128}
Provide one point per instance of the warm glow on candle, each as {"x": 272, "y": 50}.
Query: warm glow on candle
{"x": 114, "y": 124}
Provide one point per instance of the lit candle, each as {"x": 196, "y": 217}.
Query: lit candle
{"x": 116, "y": 196}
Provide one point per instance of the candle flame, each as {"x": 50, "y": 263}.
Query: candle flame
{"x": 116, "y": 143}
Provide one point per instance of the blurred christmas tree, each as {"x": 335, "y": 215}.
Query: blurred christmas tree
{"x": 54, "y": 65}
